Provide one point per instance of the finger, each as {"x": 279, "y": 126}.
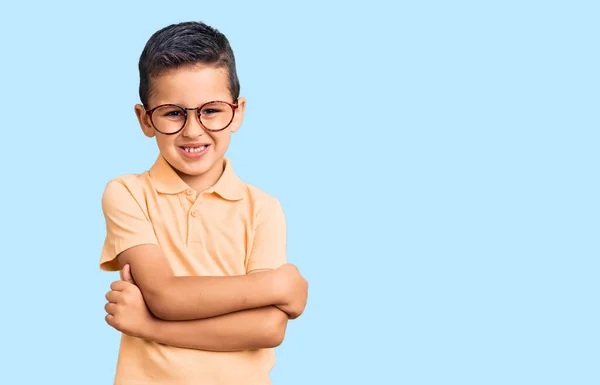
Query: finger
{"x": 110, "y": 308}
{"x": 110, "y": 319}
{"x": 126, "y": 274}
{"x": 118, "y": 285}
{"x": 113, "y": 296}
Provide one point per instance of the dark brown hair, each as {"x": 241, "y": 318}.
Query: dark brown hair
{"x": 185, "y": 44}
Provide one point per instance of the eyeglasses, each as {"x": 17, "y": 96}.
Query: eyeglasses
{"x": 169, "y": 119}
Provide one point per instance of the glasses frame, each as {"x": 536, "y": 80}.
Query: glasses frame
{"x": 149, "y": 113}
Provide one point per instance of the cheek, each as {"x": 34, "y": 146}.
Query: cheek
{"x": 222, "y": 141}
{"x": 164, "y": 142}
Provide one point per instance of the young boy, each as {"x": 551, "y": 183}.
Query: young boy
{"x": 206, "y": 292}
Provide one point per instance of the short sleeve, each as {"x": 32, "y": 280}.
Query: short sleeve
{"x": 269, "y": 245}
{"x": 126, "y": 224}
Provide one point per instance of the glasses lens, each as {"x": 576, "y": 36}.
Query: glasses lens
{"x": 168, "y": 119}
{"x": 216, "y": 116}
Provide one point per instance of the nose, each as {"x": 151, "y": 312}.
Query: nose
{"x": 192, "y": 128}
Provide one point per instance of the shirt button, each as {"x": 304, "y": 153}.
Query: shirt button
{"x": 189, "y": 192}
{"x": 194, "y": 213}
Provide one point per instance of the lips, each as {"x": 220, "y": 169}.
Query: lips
{"x": 192, "y": 149}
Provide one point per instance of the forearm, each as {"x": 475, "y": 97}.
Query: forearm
{"x": 192, "y": 298}
{"x": 244, "y": 330}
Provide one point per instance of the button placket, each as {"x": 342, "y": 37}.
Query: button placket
{"x": 193, "y": 223}
{"x": 192, "y": 213}
{"x": 194, "y": 216}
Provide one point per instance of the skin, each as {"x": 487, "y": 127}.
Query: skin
{"x": 208, "y": 313}
{"x": 252, "y": 329}
{"x": 192, "y": 87}
{"x": 174, "y": 298}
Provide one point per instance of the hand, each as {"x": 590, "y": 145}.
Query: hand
{"x": 294, "y": 289}
{"x": 126, "y": 308}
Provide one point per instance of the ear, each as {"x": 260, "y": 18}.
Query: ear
{"x": 144, "y": 120}
{"x": 239, "y": 115}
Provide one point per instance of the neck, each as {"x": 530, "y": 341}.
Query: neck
{"x": 206, "y": 180}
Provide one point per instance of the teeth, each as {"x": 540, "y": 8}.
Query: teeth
{"x": 194, "y": 149}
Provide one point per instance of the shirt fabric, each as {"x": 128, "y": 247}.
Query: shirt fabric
{"x": 229, "y": 229}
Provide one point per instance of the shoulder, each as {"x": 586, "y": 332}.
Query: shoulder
{"x": 124, "y": 188}
{"x": 262, "y": 203}
{"x": 129, "y": 180}
{"x": 258, "y": 196}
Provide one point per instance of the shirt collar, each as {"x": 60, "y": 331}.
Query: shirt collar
{"x": 166, "y": 181}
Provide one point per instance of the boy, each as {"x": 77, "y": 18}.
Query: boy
{"x": 206, "y": 292}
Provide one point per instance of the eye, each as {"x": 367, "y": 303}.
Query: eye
{"x": 210, "y": 111}
{"x": 173, "y": 113}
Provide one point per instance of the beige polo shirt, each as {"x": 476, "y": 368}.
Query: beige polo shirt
{"x": 230, "y": 229}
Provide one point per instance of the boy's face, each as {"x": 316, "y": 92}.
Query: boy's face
{"x": 191, "y": 87}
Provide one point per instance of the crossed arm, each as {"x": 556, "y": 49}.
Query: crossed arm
{"x": 245, "y": 330}
{"x": 207, "y": 313}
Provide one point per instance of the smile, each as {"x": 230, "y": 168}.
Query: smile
{"x": 195, "y": 149}
{"x": 194, "y": 152}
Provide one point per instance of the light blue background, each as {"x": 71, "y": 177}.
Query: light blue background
{"x": 437, "y": 163}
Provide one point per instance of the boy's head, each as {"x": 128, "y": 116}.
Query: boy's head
{"x": 183, "y": 69}
{"x": 186, "y": 44}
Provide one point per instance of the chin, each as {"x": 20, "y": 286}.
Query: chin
{"x": 195, "y": 167}
{"x": 193, "y": 170}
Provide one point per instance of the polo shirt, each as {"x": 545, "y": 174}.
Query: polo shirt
{"x": 230, "y": 229}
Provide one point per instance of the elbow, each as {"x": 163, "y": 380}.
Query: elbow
{"x": 274, "y": 328}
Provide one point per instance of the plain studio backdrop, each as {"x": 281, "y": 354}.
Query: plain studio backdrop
{"x": 437, "y": 163}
